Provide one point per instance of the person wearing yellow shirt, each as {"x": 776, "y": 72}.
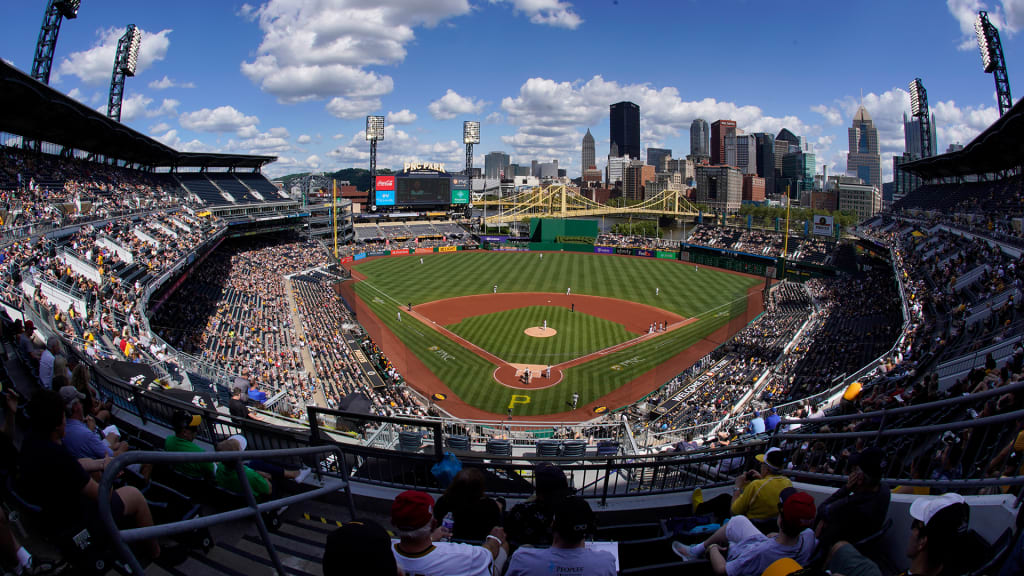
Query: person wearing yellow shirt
{"x": 756, "y": 493}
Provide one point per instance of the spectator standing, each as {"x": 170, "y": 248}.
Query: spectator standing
{"x": 46, "y": 361}
{"x": 236, "y": 407}
{"x": 858, "y": 509}
{"x": 473, "y": 512}
{"x": 359, "y": 547}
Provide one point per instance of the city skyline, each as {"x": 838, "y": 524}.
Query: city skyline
{"x": 264, "y": 88}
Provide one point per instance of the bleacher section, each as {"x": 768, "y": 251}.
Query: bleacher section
{"x": 260, "y": 184}
{"x": 202, "y": 188}
{"x": 231, "y": 185}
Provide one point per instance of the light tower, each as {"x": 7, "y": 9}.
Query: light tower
{"x": 374, "y": 132}
{"x": 992, "y": 59}
{"x": 125, "y": 60}
{"x": 470, "y": 136}
{"x": 919, "y": 109}
{"x": 56, "y": 11}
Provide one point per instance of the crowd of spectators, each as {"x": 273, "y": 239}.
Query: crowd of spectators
{"x": 326, "y": 322}
{"x": 43, "y": 188}
{"x": 813, "y": 249}
{"x": 631, "y": 241}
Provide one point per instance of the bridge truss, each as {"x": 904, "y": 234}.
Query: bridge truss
{"x": 559, "y": 201}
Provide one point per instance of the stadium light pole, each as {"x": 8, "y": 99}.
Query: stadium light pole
{"x": 919, "y": 109}
{"x": 992, "y": 59}
{"x": 125, "y": 61}
{"x": 470, "y": 136}
{"x": 56, "y": 11}
{"x": 374, "y": 132}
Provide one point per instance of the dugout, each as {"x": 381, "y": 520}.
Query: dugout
{"x": 551, "y": 230}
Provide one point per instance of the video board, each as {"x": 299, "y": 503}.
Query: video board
{"x": 423, "y": 190}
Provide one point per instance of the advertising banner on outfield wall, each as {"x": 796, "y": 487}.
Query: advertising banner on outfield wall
{"x": 447, "y": 249}
{"x": 604, "y": 250}
{"x": 647, "y": 253}
{"x": 667, "y": 255}
{"x": 424, "y": 251}
{"x": 401, "y": 252}
{"x": 624, "y": 251}
{"x": 359, "y": 256}
{"x": 346, "y": 260}
{"x": 494, "y": 238}
{"x": 822, "y": 225}
{"x": 373, "y": 253}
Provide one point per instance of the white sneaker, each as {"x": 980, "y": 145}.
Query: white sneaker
{"x": 683, "y": 551}
{"x": 304, "y": 473}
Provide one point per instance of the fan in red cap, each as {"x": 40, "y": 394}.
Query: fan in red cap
{"x": 420, "y": 551}
{"x": 740, "y": 549}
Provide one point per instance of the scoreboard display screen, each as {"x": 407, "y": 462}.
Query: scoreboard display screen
{"x": 420, "y": 190}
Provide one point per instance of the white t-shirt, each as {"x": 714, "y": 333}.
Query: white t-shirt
{"x": 446, "y": 559}
{"x": 528, "y": 561}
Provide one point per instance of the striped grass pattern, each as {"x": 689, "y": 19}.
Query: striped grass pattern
{"x": 577, "y": 334}
{"x": 712, "y": 296}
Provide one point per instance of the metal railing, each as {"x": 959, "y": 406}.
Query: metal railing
{"x": 121, "y": 538}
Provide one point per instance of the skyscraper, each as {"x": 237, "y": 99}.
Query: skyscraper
{"x": 635, "y": 180}
{"x": 912, "y": 136}
{"x": 741, "y": 152}
{"x": 624, "y": 128}
{"x": 659, "y": 157}
{"x": 863, "y": 160}
{"x": 699, "y": 139}
{"x": 719, "y": 130}
{"x": 496, "y": 164}
{"x": 589, "y": 158}
{"x": 766, "y": 160}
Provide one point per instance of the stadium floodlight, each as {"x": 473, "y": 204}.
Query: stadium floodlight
{"x": 983, "y": 28}
{"x": 69, "y": 8}
{"x": 125, "y": 63}
{"x": 992, "y": 59}
{"x": 916, "y": 91}
{"x": 134, "y": 42}
{"x": 374, "y": 128}
{"x": 470, "y": 132}
{"x": 56, "y": 11}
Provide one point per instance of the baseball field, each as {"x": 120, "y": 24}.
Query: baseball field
{"x": 469, "y": 325}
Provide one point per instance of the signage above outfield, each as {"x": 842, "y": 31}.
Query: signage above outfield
{"x": 424, "y": 167}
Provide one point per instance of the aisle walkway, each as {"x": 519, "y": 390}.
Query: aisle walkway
{"x": 300, "y": 332}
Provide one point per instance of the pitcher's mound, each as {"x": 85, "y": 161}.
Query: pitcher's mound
{"x": 540, "y": 332}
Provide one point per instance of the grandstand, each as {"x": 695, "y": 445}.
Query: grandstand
{"x": 918, "y": 352}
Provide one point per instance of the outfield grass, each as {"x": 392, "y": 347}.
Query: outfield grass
{"x": 577, "y": 334}
{"x": 710, "y": 295}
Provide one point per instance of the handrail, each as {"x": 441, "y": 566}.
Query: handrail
{"x": 121, "y": 538}
{"x": 314, "y": 425}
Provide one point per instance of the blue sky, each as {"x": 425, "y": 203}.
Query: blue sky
{"x": 296, "y": 78}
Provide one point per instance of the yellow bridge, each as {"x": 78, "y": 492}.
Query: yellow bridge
{"x": 557, "y": 201}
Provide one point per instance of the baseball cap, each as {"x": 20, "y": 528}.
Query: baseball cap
{"x": 869, "y": 461}
{"x": 412, "y": 509}
{"x": 69, "y": 394}
{"x": 797, "y": 508}
{"x": 573, "y": 518}
{"x": 29, "y": 326}
{"x": 772, "y": 458}
{"x": 182, "y": 419}
{"x": 945, "y": 514}
{"x": 358, "y": 547}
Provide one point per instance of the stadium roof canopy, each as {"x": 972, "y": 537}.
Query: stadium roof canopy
{"x": 36, "y": 111}
{"x": 999, "y": 147}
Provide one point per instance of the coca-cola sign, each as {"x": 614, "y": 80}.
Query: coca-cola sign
{"x": 385, "y": 183}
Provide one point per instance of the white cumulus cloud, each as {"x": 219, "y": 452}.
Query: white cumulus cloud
{"x": 93, "y": 66}
{"x": 452, "y": 104}
{"x": 403, "y": 116}
{"x": 316, "y": 50}
{"x": 165, "y": 83}
{"x": 1006, "y": 15}
{"x": 303, "y": 139}
{"x": 220, "y": 119}
{"x": 546, "y": 12}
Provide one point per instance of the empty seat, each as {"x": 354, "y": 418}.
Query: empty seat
{"x": 499, "y": 447}
{"x": 409, "y": 441}
{"x": 548, "y": 447}
{"x": 457, "y": 442}
{"x": 607, "y": 448}
{"x": 574, "y": 448}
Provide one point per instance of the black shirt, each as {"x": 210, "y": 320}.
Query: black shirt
{"x": 52, "y": 478}
{"x": 238, "y": 409}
